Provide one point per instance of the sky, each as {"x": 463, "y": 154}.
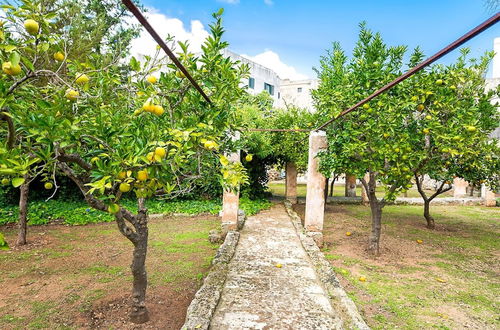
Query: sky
{"x": 290, "y": 36}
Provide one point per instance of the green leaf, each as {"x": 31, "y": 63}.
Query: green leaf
{"x": 16, "y": 182}
{"x": 14, "y": 58}
{"x": 9, "y": 48}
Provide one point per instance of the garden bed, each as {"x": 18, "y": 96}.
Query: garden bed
{"x": 449, "y": 281}
{"x": 79, "y": 276}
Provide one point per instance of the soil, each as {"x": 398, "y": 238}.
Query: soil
{"x": 79, "y": 277}
{"x": 414, "y": 285}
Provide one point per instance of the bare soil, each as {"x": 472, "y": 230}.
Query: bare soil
{"x": 449, "y": 281}
{"x": 79, "y": 277}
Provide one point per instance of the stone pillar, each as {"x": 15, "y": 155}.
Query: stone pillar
{"x": 315, "y": 198}
{"x": 364, "y": 194}
{"x": 488, "y": 196}
{"x": 350, "y": 185}
{"x": 231, "y": 200}
{"x": 291, "y": 182}
{"x": 459, "y": 188}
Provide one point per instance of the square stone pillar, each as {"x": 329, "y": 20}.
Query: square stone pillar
{"x": 231, "y": 200}
{"x": 315, "y": 198}
{"x": 459, "y": 188}
{"x": 488, "y": 196}
{"x": 364, "y": 194}
{"x": 350, "y": 185}
{"x": 291, "y": 182}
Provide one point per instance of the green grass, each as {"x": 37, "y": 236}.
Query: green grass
{"x": 403, "y": 287}
{"x": 278, "y": 189}
{"x": 79, "y": 213}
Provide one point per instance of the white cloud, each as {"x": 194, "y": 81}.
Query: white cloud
{"x": 271, "y": 60}
{"x": 232, "y": 2}
{"x": 163, "y": 25}
{"x": 269, "y": 2}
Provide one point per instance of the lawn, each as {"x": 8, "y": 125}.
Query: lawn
{"x": 450, "y": 281}
{"x": 79, "y": 276}
{"x": 278, "y": 189}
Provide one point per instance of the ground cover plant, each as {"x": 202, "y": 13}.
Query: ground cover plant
{"x": 446, "y": 278}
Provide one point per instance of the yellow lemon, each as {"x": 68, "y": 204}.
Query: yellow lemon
{"x": 151, "y": 156}
{"x": 31, "y": 26}
{"x": 142, "y": 175}
{"x": 151, "y": 79}
{"x": 72, "y": 95}
{"x": 210, "y": 145}
{"x": 11, "y": 70}
{"x": 419, "y": 241}
{"x": 158, "y": 110}
{"x": 122, "y": 175}
{"x": 59, "y": 56}
{"x": 82, "y": 79}
{"x": 125, "y": 187}
{"x": 160, "y": 152}
{"x": 249, "y": 157}
{"x": 48, "y": 185}
{"x": 348, "y": 233}
{"x": 113, "y": 208}
{"x": 420, "y": 107}
{"x": 362, "y": 279}
{"x": 279, "y": 265}
{"x": 148, "y": 107}
{"x": 5, "y": 182}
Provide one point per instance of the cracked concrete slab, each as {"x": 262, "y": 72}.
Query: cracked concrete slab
{"x": 271, "y": 282}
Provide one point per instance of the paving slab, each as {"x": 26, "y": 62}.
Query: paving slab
{"x": 258, "y": 294}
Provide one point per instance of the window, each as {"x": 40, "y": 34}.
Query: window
{"x": 251, "y": 82}
{"x": 269, "y": 88}
{"x": 299, "y": 90}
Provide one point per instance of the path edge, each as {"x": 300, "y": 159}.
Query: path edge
{"x": 337, "y": 294}
{"x": 202, "y": 307}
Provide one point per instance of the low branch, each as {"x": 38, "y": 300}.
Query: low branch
{"x": 20, "y": 82}
{"x": 74, "y": 158}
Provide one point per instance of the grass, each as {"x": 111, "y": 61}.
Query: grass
{"x": 278, "y": 189}
{"x": 450, "y": 281}
{"x": 67, "y": 274}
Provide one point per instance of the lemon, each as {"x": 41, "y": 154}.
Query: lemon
{"x": 72, "y": 95}
{"x": 11, "y": 70}
{"x": 148, "y": 107}
{"x": 59, "y": 56}
{"x": 160, "y": 152}
{"x": 5, "y": 182}
{"x": 158, "y": 110}
{"x": 279, "y": 265}
{"x": 31, "y": 26}
{"x": 151, "y": 79}
{"x": 48, "y": 185}
{"x": 362, "y": 279}
{"x": 151, "y": 156}
{"x": 419, "y": 241}
{"x": 82, "y": 79}
{"x": 420, "y": 107}
{"x": 348, "y": 233}
{"x": 113, "y": 208}
{"x": 125, "y": 187}
{"x": 142, "y": 175}
{"x": 122, "y": 175}
{"x": 249, "y": 157}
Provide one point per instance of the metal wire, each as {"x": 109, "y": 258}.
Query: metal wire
{"x": 457, "y": 43}
{"x": 144, "y": 22}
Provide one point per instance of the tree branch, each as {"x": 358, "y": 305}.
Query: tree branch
{"x": 73, "y": 158}
{"x": 11, "y": 137}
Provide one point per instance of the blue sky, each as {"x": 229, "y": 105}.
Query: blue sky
{"x": 300, "y": 31}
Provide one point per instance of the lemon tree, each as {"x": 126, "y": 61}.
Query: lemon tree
{"x": 111, "y": 128}
{"x": 450, "y": 131}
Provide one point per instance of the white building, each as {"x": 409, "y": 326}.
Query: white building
{"x": 284, "y": 92}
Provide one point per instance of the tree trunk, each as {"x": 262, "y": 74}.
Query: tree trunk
{"x": 327, "y": 181}
{"x": 23, "y": 213}
{"x": 139, "y": 312}
{"x": 374, "y": 241}
{"x": 427, "y": 214}
{"x": 332, "y": 185}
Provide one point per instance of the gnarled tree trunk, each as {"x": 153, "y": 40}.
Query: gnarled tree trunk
{"x": 376, "y": 212}
{"x": 23, "y": 212}
{"x": 139, "y": 312}
{"x": 427, "y": 215}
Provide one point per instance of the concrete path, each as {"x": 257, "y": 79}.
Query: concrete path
{"x": 259, "y": 295}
